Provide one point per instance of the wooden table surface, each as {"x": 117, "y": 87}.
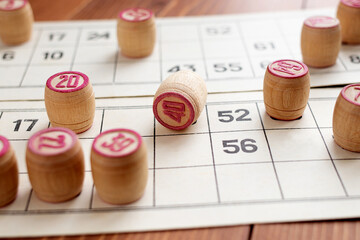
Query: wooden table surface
{"x": 45, "y": 10}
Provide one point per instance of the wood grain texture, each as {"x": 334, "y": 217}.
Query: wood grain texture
{"x": 329, "y": 230}
{"x": 108, "y": 9}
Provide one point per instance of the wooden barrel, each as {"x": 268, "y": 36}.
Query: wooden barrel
{"x": 348, "y": 13}
{"x": 286, "y": 89}
{"x": 55, "y": 163}
{"x": 9, "y": 174}
{"x": 119, "y": 166}
{"x": 180, "y": 99}
{"x": 70, "y": 101}
{"x": 136, "y": 32}
{"x": 346, "y": 118}
{"x": 320, "y": 41}
{"x": 16, "y": 21}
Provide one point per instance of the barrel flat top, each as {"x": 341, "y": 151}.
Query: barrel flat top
{"x": 66, "y": 82}
{"x": 351, "y": 3}
{"x": 116, "y": 143}
{"x": 351, "y": 93}
{"x": 173, "y": 110}
{"x": 288, "y": 68}
{"x": 321, "y": 22}
{"x": 11, "y": 5}
{"x": 52, "y": 141}
{"x": 4, "y": 145}
{"x": 135, "y": 14}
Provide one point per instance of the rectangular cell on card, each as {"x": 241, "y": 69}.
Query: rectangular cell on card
{"x": 224, "y": 49}
{"x": 14, "y": 56}
{"x": 246, "y": 182}
{"x": 313, "y": 179}
{"x": 266, "y": 46}
{"x": 181, "y": 186}
{"x": 181, "y": 50}
{"x": 129, "y": 72}
{"x": 297, "y": 145}
{"x": 170, "y": 67}
{"x": 183, "y": 151}
{"x": 234, "y": 117}
{"x": 11, "y": 76}
{"x": 53, "y": 55}
{"x": 170, "y": 33}
{"x": 96, "y": 54}
{"x": 22, "y": 125}
{"x": 98, "y": 36}
{"x": 240, "y": 147}
{"x": 63, "y": 37}
{"x": 219, "y": 31}
{"x": 229, "y": 68}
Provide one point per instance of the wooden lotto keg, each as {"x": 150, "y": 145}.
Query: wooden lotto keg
{"x": 346, "y": 118}
{"x": 9, "y": 174}
{"x": 136, "y": 32}
{"x": 55, "y": 163}
{"x": 70, "y": 101}
{"x": 119, "y": 166}
{"x": 16, "y": 21}
{"x": 180, "y": 99}
{"x": 286, "y": 89}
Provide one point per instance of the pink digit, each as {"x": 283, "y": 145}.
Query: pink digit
{"x": 51, "y": 142}
{"x": 119, "y": 143}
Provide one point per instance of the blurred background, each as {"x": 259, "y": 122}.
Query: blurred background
{"x": 45, "y": 10}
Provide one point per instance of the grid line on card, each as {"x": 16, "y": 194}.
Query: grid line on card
{"x": 28, "y": 200}
{"x": 203, "y": 51}
{"x": 76, "y": 48}
{"x": 212, "y": 155}
{"x": 246, "y": 50}
{"x": 31, "y": 57}
{"x": 327, "y": 149}
{"x": 91, "y": 197}
{"x": 115, "y": 66}
{"x": 102, "y": 121}
{"x": 154, "y": 163}
{"x": 270, "y": 152}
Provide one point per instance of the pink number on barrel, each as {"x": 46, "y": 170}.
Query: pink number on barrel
{"x": 10, "y": 4}
{"x": 136, "y": 14}
{"x": 286, "y": 67}
{"x": 69, "y": 80}
{"x": 358, "y": 95}
{"x": 51, "y": 142}
{"x": 119, "y": 143}
{"x": 174, "y": 110}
